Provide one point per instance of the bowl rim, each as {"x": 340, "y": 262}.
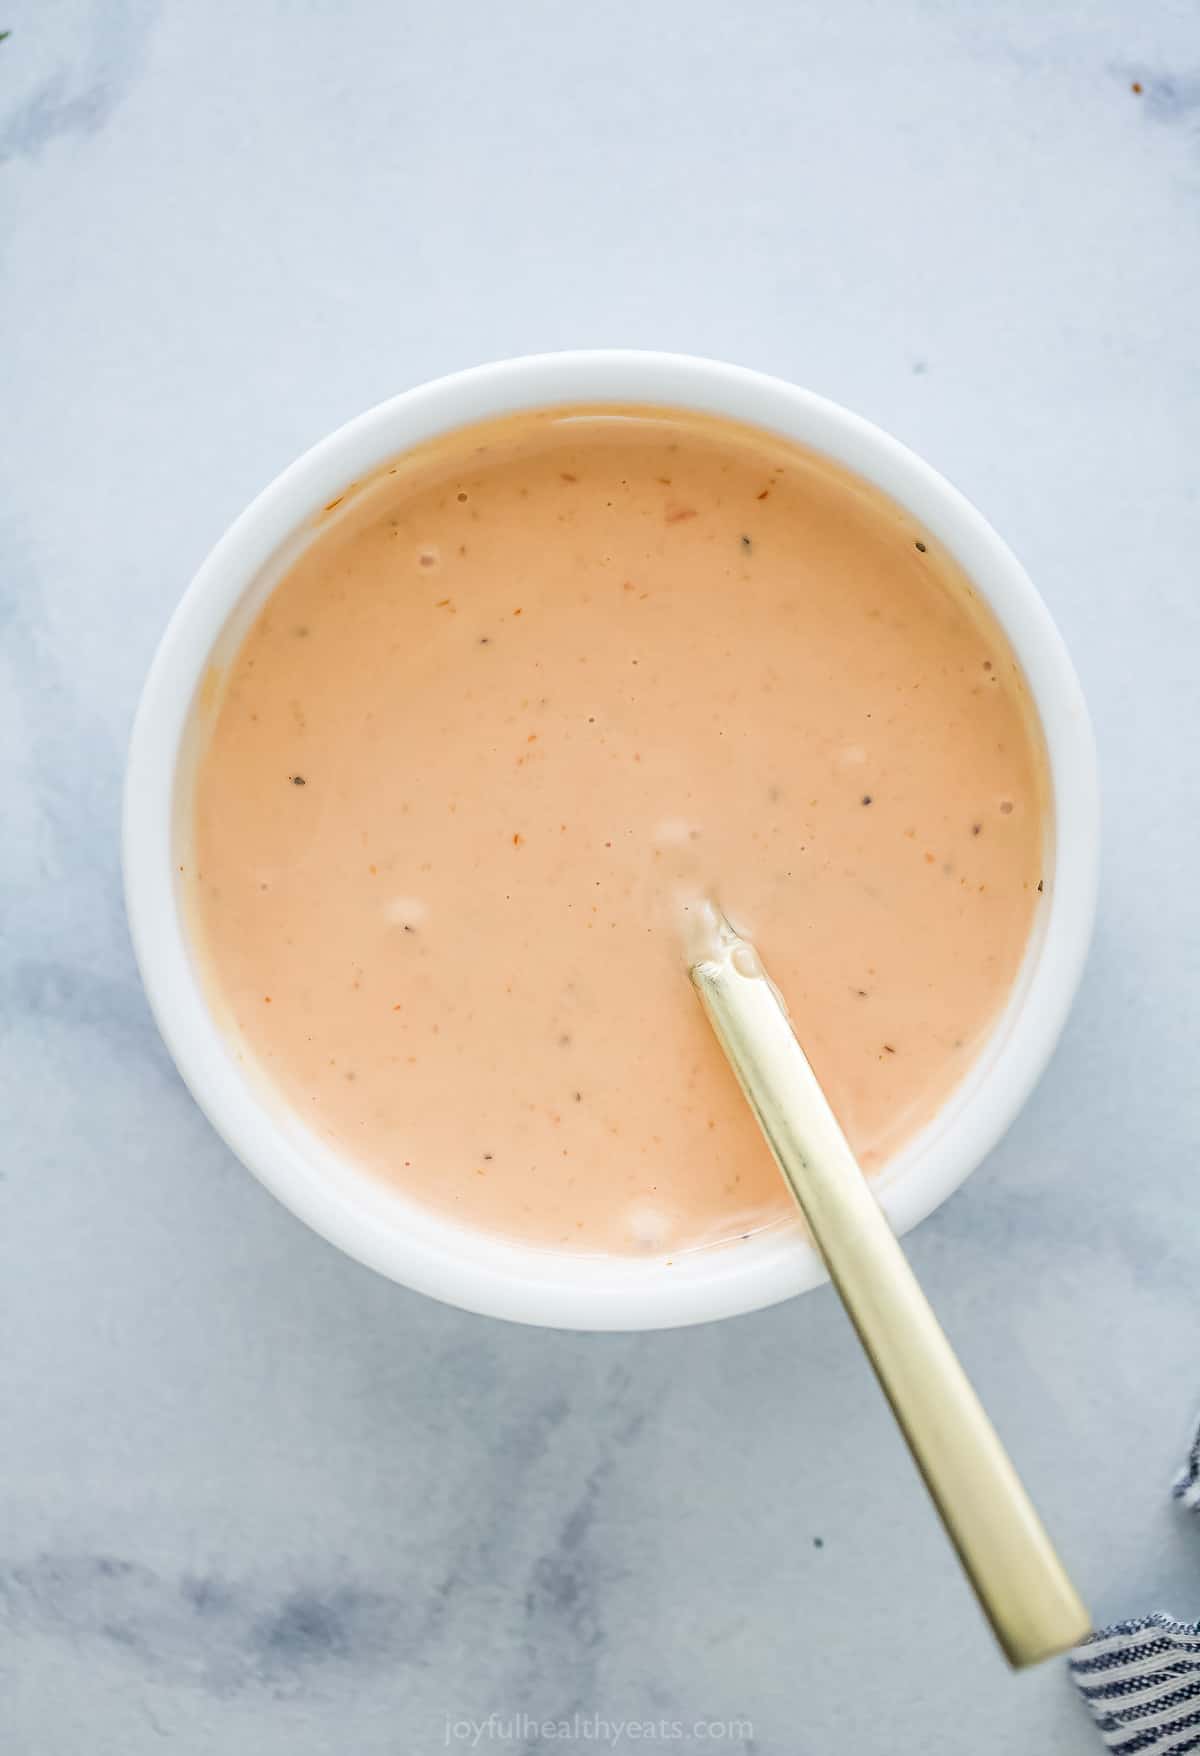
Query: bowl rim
{"x": 352, "y": 1210}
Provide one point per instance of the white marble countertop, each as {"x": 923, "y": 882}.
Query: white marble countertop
{"x": 253, "y": 1498}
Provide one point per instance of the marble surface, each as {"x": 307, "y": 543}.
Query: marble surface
{"x": 253, "y": 1497}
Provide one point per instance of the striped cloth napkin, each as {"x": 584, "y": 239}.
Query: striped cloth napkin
{"x": 1141, "y": 1679}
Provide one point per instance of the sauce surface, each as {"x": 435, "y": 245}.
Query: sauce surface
{"x": 519, "y": 690}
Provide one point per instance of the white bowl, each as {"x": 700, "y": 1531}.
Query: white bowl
{"x": 357, "y": 1212}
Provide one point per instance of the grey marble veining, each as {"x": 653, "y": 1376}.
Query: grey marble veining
{"x": 252, "y": 1497}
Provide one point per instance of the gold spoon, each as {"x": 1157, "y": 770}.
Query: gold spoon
{"x": 1020, "y": 1582}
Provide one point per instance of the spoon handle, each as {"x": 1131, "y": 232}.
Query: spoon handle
{"x": 1019, "y": 1580}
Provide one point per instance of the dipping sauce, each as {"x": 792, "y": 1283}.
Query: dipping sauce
{"x": 520, "y": 687}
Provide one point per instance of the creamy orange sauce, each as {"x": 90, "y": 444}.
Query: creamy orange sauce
{"x": 517, "y": 690}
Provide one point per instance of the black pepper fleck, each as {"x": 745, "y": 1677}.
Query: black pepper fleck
{"x": 818, "y": 1542}
{"x": 747, "y": 544}
{"x": 1041, "y": 885}
{"x": 298, "y": 780}
{"x": 866, "y": 798}
{"x": 921, "y": 548}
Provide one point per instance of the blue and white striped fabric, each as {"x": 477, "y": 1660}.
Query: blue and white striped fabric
{"x": 1141, "y": 1679}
